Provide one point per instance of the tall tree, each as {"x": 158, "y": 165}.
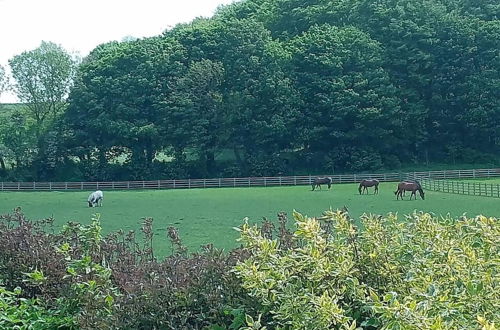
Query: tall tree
{"x": 4, "y": 80}
{"x": 258, "y": 97}
{"x": 42, "y": 79}
{"x": 194, "y": 118}
{"x": 349, "y": 101}
{"x": 116, "y": 101}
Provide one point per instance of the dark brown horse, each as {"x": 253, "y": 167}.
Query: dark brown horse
{"x": 409, "y": 186}
{"x": 319, "y": 181}
{"x": 368, "y": 183}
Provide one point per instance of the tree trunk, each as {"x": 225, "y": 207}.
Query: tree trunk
{"x": 210, "y": 161}
{"x": 2, "y": 164}
{"x": 241, "y": 160}
{"x": 150, "y": 155}
{"x": 102, "y": 157}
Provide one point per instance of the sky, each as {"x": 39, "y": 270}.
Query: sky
{"x": 80, "y": 25}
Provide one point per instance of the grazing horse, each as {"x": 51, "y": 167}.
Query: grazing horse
{"x": 319, "y": 181}
{"x": 409, "y": 186}
{"x": 368, "y": 183}
{"x": 95, "y": 198}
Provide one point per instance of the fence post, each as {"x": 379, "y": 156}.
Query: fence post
{"x": 234, "y": 182}
{"x": 294, "y": 180}
{"x": 158, "y": 184}
{"x": 280, "y": 181}
{"x": 174, "y": 183}
{"x": 265, "y": 182}
{"x": 128, "y": 184}
{"x": 219, "y": 182}
{"x": 2, "y": 185}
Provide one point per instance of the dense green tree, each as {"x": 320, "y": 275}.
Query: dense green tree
{"x": 17, "y": 140}
{"x": 257, "y": 102}
{"x": 259, "y": 99}
{"x": 115, "y": 103}
{"x": 349, "y": 100}
{"x": 433, "y": 56}
{"x": 194, "y": 118}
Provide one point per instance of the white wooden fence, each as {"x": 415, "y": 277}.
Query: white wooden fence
{"x": 462, "y": 187}
{"x": 242, "y": 182}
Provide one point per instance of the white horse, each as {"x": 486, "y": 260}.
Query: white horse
{"x": 95, "y": 198}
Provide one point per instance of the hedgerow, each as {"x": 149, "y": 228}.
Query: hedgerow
{"x": 416, "y": 272}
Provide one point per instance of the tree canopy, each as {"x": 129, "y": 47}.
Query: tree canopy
{"x": 282, "y": 86}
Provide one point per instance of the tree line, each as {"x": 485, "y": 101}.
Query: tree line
{"x": 265, "y": 87}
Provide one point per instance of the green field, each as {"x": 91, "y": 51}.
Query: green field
{"x": 208, "y": 215}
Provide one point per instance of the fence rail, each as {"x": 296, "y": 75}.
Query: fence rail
{"x": 462, "y": 188}
{"x": 242, "y": 182}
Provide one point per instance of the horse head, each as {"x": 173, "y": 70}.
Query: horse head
{"x": 421, "y": 192}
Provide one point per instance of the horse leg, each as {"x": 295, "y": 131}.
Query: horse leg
{"x": 376, "y": 190}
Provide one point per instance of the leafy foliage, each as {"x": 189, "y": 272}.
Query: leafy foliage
{"x": 267, "y": 87}
{"x": 22, "y": 313}
{"x": 422, "y": 272}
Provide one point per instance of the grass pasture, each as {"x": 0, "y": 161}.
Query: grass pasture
{"x": 209, "y": 215}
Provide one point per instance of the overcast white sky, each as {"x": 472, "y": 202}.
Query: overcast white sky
{"x": 81, "y": 25}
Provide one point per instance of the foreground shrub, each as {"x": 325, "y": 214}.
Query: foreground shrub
{"x": 420, "y": 273}
{"x": 432, "y": 272}
{"x": 115, "y": 281}
{"x": 20, "y": 313}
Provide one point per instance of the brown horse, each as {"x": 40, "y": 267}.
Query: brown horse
{"x": 368, "y": 183}
{"x": 409, "y": 186}
{"x": 319, "y": 181}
